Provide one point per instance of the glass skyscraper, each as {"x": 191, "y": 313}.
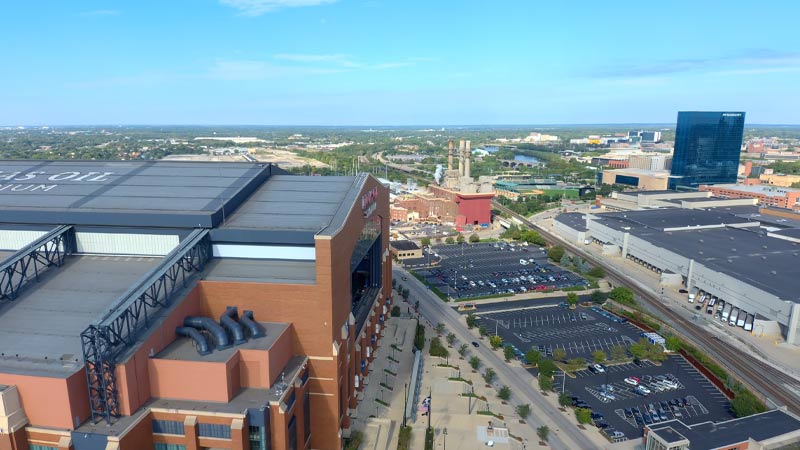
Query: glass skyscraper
{"x": 707, "y": 148}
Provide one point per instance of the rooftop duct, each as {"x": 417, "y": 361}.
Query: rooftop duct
{"x": 250, "y": 324}
{"x": 197, "y": 337}
{"x": 217, "y": 332}
{"x": 228, "y": 321}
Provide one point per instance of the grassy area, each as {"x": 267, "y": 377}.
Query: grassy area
{"x": 404, "y": 439}
{"x": 429, "y": 435}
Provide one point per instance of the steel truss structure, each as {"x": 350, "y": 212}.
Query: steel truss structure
{"x": 105, "y": 340}
{"x": 30, "y": 261}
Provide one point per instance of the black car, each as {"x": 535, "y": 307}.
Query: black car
{"x": 637, "y": 361}
{"x": 596, "y": 416}
{"x": 592, "y": 369}
{"x": 475, "y": 344}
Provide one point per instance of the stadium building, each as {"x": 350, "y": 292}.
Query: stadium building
{"x": 173, "y": 305}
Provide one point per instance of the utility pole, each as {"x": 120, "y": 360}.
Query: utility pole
{"x": 430, "y": 406}
{"x": 405, "y": 403}
{"x": 444, "y": 433}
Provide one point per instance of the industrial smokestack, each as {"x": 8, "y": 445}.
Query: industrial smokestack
{"x": 461, "y": 147}
{"x": 468, "y": 155}
{"x": 450, "y": 147}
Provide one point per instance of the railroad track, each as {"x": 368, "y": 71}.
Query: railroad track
{"x": 775, "y": 385}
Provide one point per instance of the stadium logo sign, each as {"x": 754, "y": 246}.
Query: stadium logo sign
{"x": 37, "y": 175}
{"x": 368, "y": 202}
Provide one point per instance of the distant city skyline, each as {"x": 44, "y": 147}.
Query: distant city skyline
{"x": 381, "y": 63}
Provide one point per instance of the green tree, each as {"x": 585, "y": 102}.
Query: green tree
{"x": 576, "y": 362}
{"x": 597, "y": 272}
{"x": 584, "y": 415}
{"x": 618, "y": 353}
{"x": 599, "y": 356}
{"x": 598, "y": 297}
{"x": 460, "y": 238}
{"x": 622, "y": 295}
{"x": 533, "y": 357}
{"x": 543, "y": 432}
{"x": 495, "y": 342}
{"x": 462, "y": 350}
{"x": 472, "y": 321}
{"x": 451, "y": 338}
{"x": 473, "y": 238}
{"x": 449, "y": 240}
{"x": 504, "y": 393}
{"x": 523, "y": 411}
{"x": 489, "y": 375}
{"x": 565, "y": 260}
{"x": 482, "y": 331}
{"x": 559, "y": 354}
{"x": 419, "y": 338}
{"x": 673, "y": 343}
{"x": 426, "y": 241}
{"x": 545, "y": 383}
{"x": 508, "y": 352}
{"x": 639, "y": 349}
{"x": 475, "y": 362}
{"x": 395, "y": 311}
{"x": 565, "y": 399}
{"x": 439, "y": 328}
{"x": 572, "y": 299}
{"x": 547, "y": 367}
{"x": 555, "y": 253}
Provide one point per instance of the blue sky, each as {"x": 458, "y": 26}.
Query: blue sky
{"x": 395, "y": 62}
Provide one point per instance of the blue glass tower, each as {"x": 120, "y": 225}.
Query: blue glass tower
{"x": 707, "y": 148}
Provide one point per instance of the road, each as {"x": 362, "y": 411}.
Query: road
{"x": 565, "y": 435}
{"x": 776, "y": 386}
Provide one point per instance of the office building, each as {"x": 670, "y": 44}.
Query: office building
{"x": 707, "y": 148}
{"x": 781, "y": 197}
{"x": 186, "y": 306}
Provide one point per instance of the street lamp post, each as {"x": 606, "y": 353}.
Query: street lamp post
{"x": 444, "y": 433}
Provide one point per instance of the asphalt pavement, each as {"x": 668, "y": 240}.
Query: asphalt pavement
{"x": 565, "y": 435}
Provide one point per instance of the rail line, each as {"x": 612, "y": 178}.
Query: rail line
{"x": 775, "y": 385}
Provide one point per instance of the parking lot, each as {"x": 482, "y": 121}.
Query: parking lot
{"x": 686, "y": 393}
{"x": 475, "y": 270}
{"x": 578, "y": 331}
{"x": 688, "y": 396}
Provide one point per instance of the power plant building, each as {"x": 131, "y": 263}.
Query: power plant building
{"x": 174, "y": 305}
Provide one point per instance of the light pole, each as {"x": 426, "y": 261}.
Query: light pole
{"x": 444, "y": 433}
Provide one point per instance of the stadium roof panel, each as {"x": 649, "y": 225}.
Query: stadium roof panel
{"x": 127, "y": 193}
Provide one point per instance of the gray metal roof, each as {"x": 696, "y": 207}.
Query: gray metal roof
{"x": 44, "y": 323}
{"x": 128, "y": 193}
{"x": 293, "y": 209}
{"x": 262, "y": 271}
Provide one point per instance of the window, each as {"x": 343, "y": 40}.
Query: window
{"x": 41, "y": 447}
{"x": 159, "y": 446}
{"x": 306, "y": 416}
{"x": 259, "y": 438}
{"x": 290, "y": 400}
{"x": 292, "y": 430}
{"x": 168, "y": 427}
{"x": 214, "y": 430}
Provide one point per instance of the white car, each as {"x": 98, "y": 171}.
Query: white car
{"x": 632, "y": 381}
{"x": 642, "y": 390}
{"x": 599, "y": 368}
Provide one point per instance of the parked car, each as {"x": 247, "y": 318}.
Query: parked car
{"x": 633, "y": 381}
{"x": 598, "y": 368}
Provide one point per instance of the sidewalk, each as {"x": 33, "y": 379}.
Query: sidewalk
{"x": 379, "y": 423}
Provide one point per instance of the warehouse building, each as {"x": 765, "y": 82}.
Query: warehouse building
{"x": 174, "y": 305}
{"x": 725, "y": 255}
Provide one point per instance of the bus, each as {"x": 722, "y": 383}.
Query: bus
{"x": 467, "y": 307}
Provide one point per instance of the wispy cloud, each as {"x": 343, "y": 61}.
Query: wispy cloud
{"x": 344, "y": 61}
{"x": 101, "y": 13}
{"x": 258, "y": 70}
{"x": 253, "y": 8}
{"x": 751, "y": 61}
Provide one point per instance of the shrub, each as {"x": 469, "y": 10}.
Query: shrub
{"x": 545, "y": 383}
{"x": 565, "y": 399}
{"x": 598, "y": 297}
{"x": 597, "y": 272}
{"x": 425, "y": 241}
{"x": 437, "y": 349}
{"x": 555, "y": 253}
{"x": 508, "y": 352}
{"x": 533, "y": 356}
{"x": 559, "y": 354}
{"x": 473, "y": 238}
{"x": 523, "y": 411}
{"x": 504, "y": 393}
{"x": 475, "y": 362}
{"x": 543, "y": 432}
{"x": 404, "y": 439}
{"x": 449, "y": 240}
{"x": 419, "y": 338}
{"x": 354, "y": 441}
{"x": 462, "y": 350}
{"x": 495, "y": 342}
{"x": 489, "y": 375}
{"x": 622, "y": 295}
{"x": 472, "y": 321}
{"x": 599, "y": 356}
{"x": 395, "y": 311}
{"x": 584, "y": 415}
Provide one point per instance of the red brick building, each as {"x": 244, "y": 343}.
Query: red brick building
{"x": 780, "y": 197}
{"x": 187, "y": 305}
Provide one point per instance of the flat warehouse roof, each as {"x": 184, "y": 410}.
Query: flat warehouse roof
{"x": 46, "y": 320}
{"x": 661, "y": 219}
{"x": 770, "y": 264}
{"x": 128, "y": 193}
{"x": 576, "y": 221}
{"x": 4, "y": 255}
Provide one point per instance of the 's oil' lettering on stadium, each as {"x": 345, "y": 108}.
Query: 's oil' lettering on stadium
{"x": 61, "y": 176}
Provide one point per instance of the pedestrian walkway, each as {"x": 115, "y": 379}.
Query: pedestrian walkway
{"x": 385, "y": 385}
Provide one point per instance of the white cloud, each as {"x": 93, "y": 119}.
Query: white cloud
{"x": 254, "y": 8}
